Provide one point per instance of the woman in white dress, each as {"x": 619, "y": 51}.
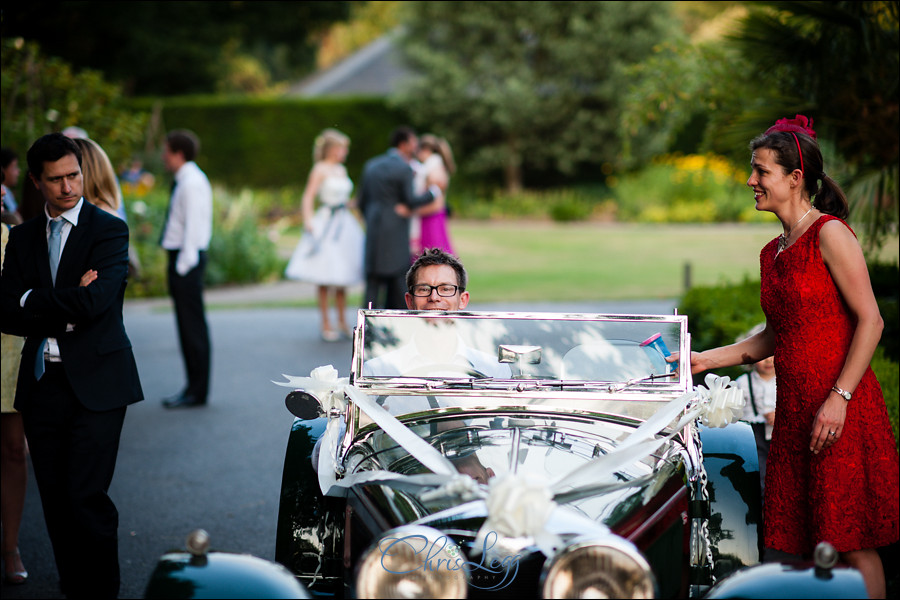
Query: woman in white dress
{"x": 330, "y": 251}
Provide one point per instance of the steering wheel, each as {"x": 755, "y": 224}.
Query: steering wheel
{"x": 426, "y": 370}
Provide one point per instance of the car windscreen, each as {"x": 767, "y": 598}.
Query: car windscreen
{"x": 573, "y": 349}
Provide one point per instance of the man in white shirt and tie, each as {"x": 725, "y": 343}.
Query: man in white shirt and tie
{"x": 186, "y": 234}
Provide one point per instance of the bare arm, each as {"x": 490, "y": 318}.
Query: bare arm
{"x": 438, "y": 176}
{"x": 307, "y": 203}
{"x": 749, "y": 351}
{"x": 845, "y": 261}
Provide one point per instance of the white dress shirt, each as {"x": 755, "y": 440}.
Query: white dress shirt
{"x": 189, "y": 226}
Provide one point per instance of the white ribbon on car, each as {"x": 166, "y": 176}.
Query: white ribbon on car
{"x": 324, "y": 384}
{"x": 518, "y": 504}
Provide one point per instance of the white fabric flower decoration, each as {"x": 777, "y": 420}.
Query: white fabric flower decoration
{"x": 323, "y": 383}
{"x": 721, "y": 403}
{"x": 519, "y": 505}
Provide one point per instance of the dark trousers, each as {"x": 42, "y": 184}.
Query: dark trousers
{"x": 193, "y": 331}
{"x": 392, "y": 288}
{"x": 73, "y": 452}
{"x": 762, "y": 451}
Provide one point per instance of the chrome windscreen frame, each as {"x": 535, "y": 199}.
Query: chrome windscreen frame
{"x": 635, "y": 402}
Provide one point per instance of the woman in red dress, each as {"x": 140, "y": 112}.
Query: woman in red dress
{"x": 833, "y": 466}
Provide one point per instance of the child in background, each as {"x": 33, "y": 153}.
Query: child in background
{"x": 759, "y": 404}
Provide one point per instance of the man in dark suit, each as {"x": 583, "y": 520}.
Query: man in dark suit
{"x": 63, "y": 286}
{"x": 385, "y": 199}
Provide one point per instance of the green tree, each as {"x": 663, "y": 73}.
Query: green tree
{"x": 524, "y": 85}
{"x": 837, "y": 62}
{"x": 842, "y": 61}
{"x": 42, "y": 94}
{"x": 170, "y": 48}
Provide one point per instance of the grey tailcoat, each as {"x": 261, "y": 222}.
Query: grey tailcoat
{"x": 387, "y": 180}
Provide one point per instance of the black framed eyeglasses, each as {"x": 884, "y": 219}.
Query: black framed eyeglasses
{"x": 423, "y": 290}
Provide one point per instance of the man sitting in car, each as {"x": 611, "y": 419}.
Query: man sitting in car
{"x": 436, "y": 281}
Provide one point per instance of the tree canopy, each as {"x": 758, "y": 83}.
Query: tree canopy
{"x": 836, "y": 62}
{"x": 43, "y": 94}
{"x": 527, "y": 84}
{"x": 169, "y": 48}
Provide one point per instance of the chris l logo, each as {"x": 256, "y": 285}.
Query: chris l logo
{"x": 416, "y": 552}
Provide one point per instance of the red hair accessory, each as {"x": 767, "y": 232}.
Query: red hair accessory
{"x": 798, "y": 124}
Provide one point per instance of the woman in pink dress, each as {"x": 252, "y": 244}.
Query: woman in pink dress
{"x": 429, "y": 223}
{"x": 832, "y": 472}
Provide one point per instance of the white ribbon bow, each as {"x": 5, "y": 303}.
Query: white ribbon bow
{"x": 722, "y": 403}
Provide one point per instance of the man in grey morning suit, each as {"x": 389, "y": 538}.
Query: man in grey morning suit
{"x": 63, "y": 286}
{"x": 387, "y": 183}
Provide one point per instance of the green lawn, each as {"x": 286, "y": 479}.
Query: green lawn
{"x": 547, "y": 261}
{"x": 600, "y": 261}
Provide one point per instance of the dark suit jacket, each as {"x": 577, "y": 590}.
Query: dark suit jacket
{"x": 97, "y": 354}
{"x": 386, "y": 181}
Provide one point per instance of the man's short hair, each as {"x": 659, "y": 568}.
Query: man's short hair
{"x": 50, "y": 148}
{"x": 436, "y": 256}
{"x": 184, "y": 141}
{"x": 401, "y": 134}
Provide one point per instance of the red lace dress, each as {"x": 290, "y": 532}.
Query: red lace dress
{"x": 848, "y": 493}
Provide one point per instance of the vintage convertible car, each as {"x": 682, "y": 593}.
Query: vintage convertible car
{"x": 486, "y": 454}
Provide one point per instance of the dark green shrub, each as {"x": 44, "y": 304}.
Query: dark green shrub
{"x": 886, "y": 285}
{"x": 717, "y": 316}
{"x": 888, "y": 373}
{"x": 268, "y": 142}
{"x": 570, "y": 210}
{"x": 240, "y": 251}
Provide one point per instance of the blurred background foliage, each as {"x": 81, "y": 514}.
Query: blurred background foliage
{"x": 629, "y": 111}
{"x": 570, "y": 111}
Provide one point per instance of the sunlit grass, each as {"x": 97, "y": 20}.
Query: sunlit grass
{"x": 556, "y": 262}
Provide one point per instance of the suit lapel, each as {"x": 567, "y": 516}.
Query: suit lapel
{"x": 43, "y": 254}
{"x": 73, "y": 242}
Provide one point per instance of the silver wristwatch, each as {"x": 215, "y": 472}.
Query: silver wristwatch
{"x": 843, "y": 393}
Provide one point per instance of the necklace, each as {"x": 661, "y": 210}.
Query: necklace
{"x": 783, "y": 238}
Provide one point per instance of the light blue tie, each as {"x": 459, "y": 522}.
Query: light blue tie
{"x": 54, "y": 244}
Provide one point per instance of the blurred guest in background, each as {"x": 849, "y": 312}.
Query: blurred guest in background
{"x": 186, "y": 234}
{"x": 10, "y": 166}
{"x": 385, "y": 199}
{"x": 429, "y": 223}
{"x": 102, "y": 190}
{"x": 13, "y": 468}
{"x": 330, "y": 252}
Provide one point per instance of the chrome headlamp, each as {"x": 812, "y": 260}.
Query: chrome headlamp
{"x": 413, "y": 562}
{"x": 598, "y": 568}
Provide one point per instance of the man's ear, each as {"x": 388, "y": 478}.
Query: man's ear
{"x": 409, "y": 301}
{"x": 463, "y": 300}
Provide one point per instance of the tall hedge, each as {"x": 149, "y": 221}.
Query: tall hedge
{"x": 267, "y": 143}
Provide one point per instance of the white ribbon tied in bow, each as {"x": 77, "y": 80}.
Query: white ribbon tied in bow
{"x": 323, "y": 383}
{"x": 519, "y": 505}
{"x": 721, "y": 402}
